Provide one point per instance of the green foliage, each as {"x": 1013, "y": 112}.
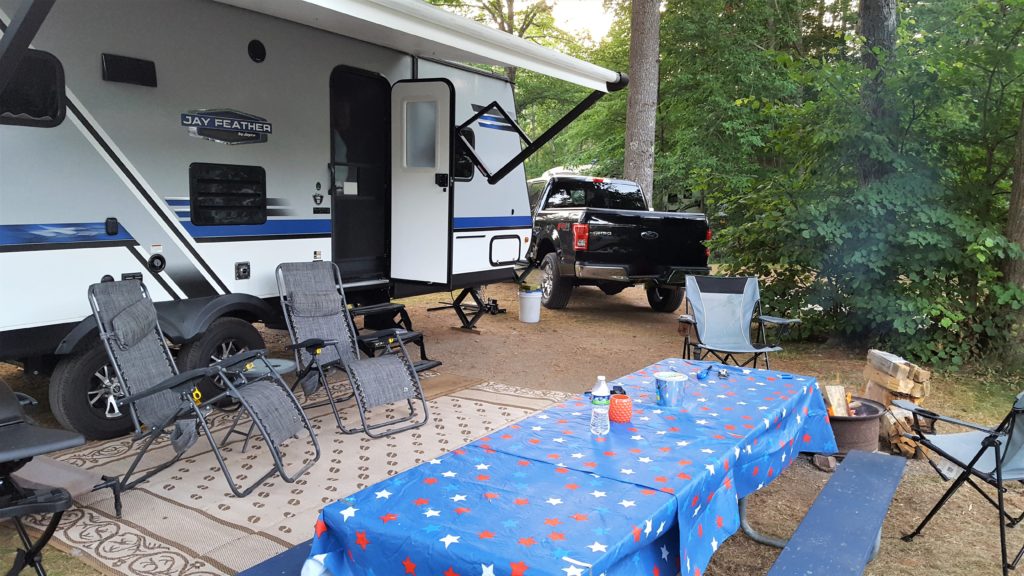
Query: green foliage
{"x": 762, "y": 116}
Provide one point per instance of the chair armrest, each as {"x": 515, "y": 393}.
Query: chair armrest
{"x": 170, "y": 383}
{"x": 387, "y": 333}
{"x": 776, "y": 320}
{"x": 311, "y": 344}
{"x": 25, "y": 399}
{"x": 918, "y": 411}
{"x": 687, "y": 319}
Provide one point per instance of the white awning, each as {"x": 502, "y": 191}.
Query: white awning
{"x": 418, "y": 28}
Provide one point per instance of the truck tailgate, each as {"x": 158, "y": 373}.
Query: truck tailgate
{"x": 647, "y": 241}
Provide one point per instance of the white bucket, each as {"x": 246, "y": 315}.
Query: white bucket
{"x": 529, "y": 306}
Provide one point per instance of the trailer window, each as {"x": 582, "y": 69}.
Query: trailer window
{"x": 35, "y": 95}
{"x": 464, "y": 167}
{"x": 227, "y": 194}
{"x": 421, "y": 134}
{"x": 534, "y": 188}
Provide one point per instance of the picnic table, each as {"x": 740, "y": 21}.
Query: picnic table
{"x": 656, "y": 496}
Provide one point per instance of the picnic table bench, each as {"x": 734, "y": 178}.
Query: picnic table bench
{"x": 842, "y": 531}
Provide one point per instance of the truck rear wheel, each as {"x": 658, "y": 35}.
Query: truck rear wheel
{"x": 224, "y": 337}
{"x": 83, "y": 393}
{"x": 555, "y": 289}
{"x": 664, "y": 298}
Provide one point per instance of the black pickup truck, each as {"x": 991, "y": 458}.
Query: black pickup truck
{"x": 600, "y": 232}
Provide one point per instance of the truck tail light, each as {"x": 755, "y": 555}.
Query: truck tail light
{"x": 708, "y": 236}
{"x": 707, "y": 251}
{"x": 581, "y": 236}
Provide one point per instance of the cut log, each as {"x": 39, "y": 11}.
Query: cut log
{"x": 836, "y": 398}
{"x": 902, "y": 385}
{"x": 918, "y": 374}
{"x": 890, "y": 364}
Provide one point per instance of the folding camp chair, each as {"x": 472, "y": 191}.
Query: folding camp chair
{"x": 20, "y": 441}
{"x": 162, "y": 401}
{"x": 720, "y": 310}
{"x": 993, "y": 455}
{"x": 324, "y": 338}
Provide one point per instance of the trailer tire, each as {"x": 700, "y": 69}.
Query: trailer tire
{"x": 664, "y": 298}
{"x": 555, "y": 288}
{"x": 224, "y": 337}
{"x": 80, "y": 387}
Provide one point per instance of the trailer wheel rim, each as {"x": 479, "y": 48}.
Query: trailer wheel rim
{"x": 225, "y": 349}
{"x": 104, "y": 389}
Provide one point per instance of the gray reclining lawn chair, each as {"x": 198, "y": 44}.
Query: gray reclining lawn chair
{"x": 324, "y": 337}
{"x": 20, "y": 441}
{"x": 993, "y": 455}
{"x": 162, "y": 401}
{"x": 720, "y": 310}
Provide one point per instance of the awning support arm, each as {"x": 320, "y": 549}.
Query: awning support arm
{"x": 17, "y": 37}
{"x": 531, "y": 145}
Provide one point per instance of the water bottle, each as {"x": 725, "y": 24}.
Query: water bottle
{"x": 600, "y": 398}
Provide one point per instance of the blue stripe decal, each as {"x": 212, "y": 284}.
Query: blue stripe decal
{"x": 504, "y": 127}
{"x": 495, "y": 118}
{"x": 271, "y": 228}
{"x": 493, "y": 222}
{"x": 171, "y": 202}
{"x": 16, "y": 234}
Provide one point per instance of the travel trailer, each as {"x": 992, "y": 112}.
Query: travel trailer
{"x": 197, "y": 144}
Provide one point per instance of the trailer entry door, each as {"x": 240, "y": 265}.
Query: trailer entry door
{"x": 359, "y": 173}
{"x": 421, "y": 154}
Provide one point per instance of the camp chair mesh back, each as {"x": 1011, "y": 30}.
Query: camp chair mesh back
{"x": 722, "y": 308}
{"x": 993, "y": 455}
{"x": 312, "y": 296}
{"x": 315, "y": 305}
{"x": 141, "y": 357}
{"x": 142, "y": 362}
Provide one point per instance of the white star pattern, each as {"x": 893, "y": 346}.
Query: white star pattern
{"x": 449, "y": 474}
{"x": 554, "y": 501}
{"x": 682, "y": 443}
{"x": 664, "y": 554}
{"x": 383, "y": 494}
{"x": 645, "y": 460}
{"x": 430, "y": 513}
{"x": 707, "y": 450}
{"x": 459, "y": 498}
{"x": 598, "y": 494}
{"x": 573, "y": 571}
{"x": 661, "y": 528}
{"x": 349, "y": 512}
{"x": 702, "y": 422}
{"x": 598, "y": 547}
{"x": 714, "y": 544}
{"x": 559, "y": 440}
{"x": 627, "y": 503}
{"x": 626, "y": 471}
{"x": 648, "y": 526}
{"x": 577, "y": 455}
{"x": 434, "y": 461}
{"x": 482, "y": 466}
{"x": 710, "y": 468}
{"x": 449, "y": 540}
{"x": 487, "y": 570}
{"x": 636, "y": 437}
{"x": 536, "y": 428}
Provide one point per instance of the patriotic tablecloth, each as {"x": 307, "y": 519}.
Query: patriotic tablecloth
{"x": 656, "y": 496}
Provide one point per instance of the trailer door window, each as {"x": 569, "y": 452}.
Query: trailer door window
{"x": 226, "y": 194}
{"x": 421, "y": 134}
{"x": 35, "y": 95}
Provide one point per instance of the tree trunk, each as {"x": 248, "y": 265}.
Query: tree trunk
{"x": 1013, "y": 269}
{"x": 876, "y": 22}
{"x": 642, "y": 104}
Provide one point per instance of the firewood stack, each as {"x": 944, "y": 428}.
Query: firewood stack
{"x": 890, "y": 378}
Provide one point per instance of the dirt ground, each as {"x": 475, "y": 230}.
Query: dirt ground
{"x": 615, "y": 335}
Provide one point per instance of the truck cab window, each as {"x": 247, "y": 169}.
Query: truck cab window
{"x": 227, "y": 194}
{"x": 35, "y": 95}
{"x": 464, "y": 167}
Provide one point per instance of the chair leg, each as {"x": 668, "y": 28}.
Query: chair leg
{"x": 156, "y": 433}
{"x": 1002, "y": 509}
{"x": 32, "y": 552}
{"x": 942, "y": 501}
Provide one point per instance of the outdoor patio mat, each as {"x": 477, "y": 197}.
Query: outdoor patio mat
{"x": 184, "y": 521}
